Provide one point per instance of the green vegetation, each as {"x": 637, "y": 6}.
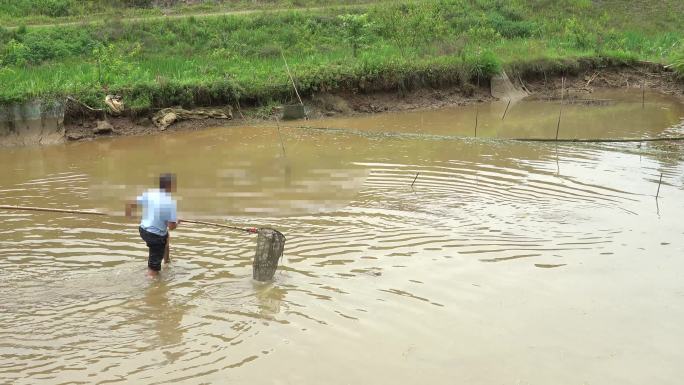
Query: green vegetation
{"x": 14, "y": 13}
{"x": 212, "y": 60}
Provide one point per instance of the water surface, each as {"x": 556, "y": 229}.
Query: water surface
{"x": 506, "y": 262}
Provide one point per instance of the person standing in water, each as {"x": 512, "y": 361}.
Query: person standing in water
{"x": 158, "y": 217}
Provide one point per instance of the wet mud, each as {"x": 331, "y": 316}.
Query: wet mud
{"x": 579, "y": 89}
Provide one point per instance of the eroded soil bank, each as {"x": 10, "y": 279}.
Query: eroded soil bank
{"x": 346, "y": 103}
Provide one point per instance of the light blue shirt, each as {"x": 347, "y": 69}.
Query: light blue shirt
{"x": 158, "y": 209}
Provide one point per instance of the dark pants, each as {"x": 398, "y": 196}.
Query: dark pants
{"x": 157, "y": 245}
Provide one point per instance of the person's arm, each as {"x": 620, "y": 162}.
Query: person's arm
{"x": 173, "y": 221}
{"x": 131, "y": 207}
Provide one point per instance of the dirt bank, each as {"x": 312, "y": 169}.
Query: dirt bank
{"x": 540, "y": 86}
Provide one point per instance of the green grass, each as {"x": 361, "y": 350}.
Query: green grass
{"x": 401, "y": 45}
{"x": 15, "y": 13}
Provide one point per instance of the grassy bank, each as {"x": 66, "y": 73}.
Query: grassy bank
{"x": 390, "y": 46}
{"x": 16, "y": 13}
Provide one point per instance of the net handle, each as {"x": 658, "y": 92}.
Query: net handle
{"x": 251, "y": 230}
{"x": 51, "y": 210}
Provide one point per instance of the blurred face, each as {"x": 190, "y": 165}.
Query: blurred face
{"x": 168, "y": 184}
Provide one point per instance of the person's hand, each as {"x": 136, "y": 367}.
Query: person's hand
{"x": 130, "y": 208}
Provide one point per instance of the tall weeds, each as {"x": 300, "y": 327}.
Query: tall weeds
{"x": 390, "y": 46}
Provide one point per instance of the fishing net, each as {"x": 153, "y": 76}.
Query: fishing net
{"x": 270, "y": 247}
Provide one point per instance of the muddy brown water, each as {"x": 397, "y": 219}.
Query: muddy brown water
{"x": 506, "y": 263}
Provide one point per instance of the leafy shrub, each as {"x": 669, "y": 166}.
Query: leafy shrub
{"x": 633, "y": 41}
{"x": 113, "y": 64}
{"x": 356, "y": 30}
{"x": 662, "y": 46}
{"x": 15, "y": 53}
{"x": 37, "y": 46}
{"x": 410, "y": 25}
{"x": 678, "y": 62}
{"x": 483, "y": 34}
{"x": 511, "y": 29}
{"x": 5, "y": 34}
{"x": 220, "y": 53}
{"x": 54, "y": 8}
{"x": 138, "y": 3}
{"x": 317, "y": 25}
{"x": 268, "y": 51}
{"x": 577, "y": 35}
{"x": 481, "y": 63}
{"x": 41, "y": 49}
{"x": 451, "y": 46}
{"x": 140, "y": 101}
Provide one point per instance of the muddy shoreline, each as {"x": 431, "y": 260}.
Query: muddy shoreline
{"x": 343, "y": 104}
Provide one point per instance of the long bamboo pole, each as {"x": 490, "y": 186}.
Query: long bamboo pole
{"x": 86, "y": 212}
{"x": 287, "y": 67}
{"x": 51, "y": 210}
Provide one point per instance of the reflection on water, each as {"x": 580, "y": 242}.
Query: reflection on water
{"x": 270, "y": 297}
{"x": 500, "y": 257}
{"x": 166, "y": 315}
{"x": 602, "y": 114}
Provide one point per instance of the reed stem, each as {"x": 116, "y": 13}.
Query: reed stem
{"x": 659, "y": 183}
{"x": 504, "y": 114}
{"x": 643, "y": 94}
{"x": 477, "y": 115}
{"x": 560, "y": 113}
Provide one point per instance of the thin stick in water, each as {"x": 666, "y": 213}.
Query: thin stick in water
{"x": 288, "y": 169}
{"x": 282, "y": 145}
{"x": 414, "y": 179}
{"x": 643, "y": 93}
{"x": 562, "y": 90}
{"x": 659, "y": 183}
{"x": 477, "y": 114}
{"x": 508, "y": 105}
{"x": 291, "y": 78}
{"x": 560, "y": 113}
{"x": 239, "y": 110}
